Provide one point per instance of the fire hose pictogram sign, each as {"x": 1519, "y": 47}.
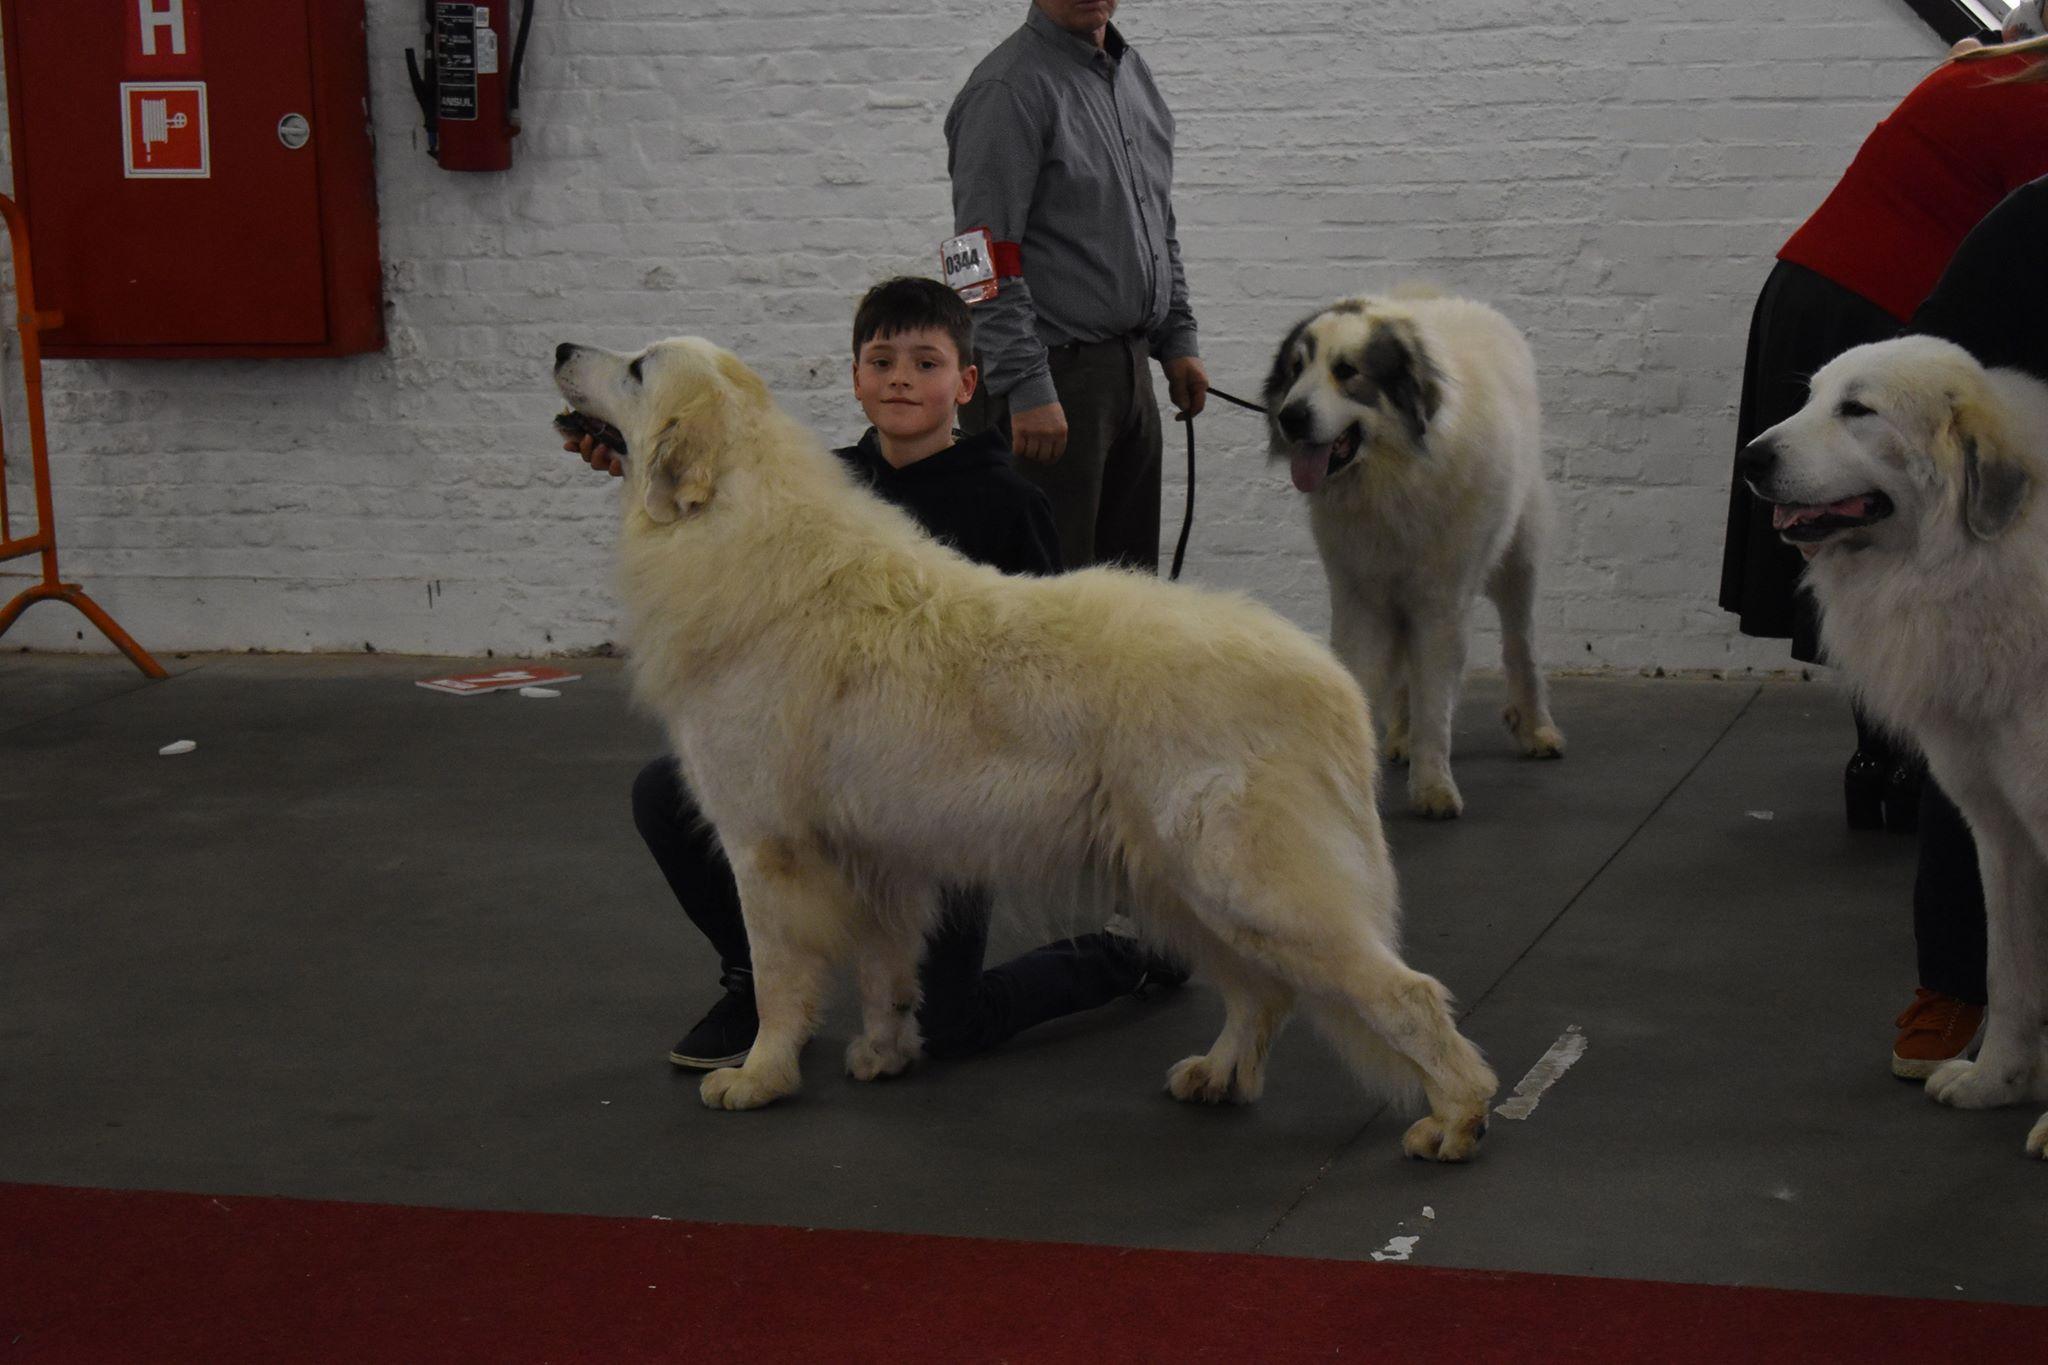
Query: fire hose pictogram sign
{"x": 163, "y": 129}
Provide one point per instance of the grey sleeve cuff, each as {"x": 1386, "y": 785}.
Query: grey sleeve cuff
{"x": 1174, "y": 340}
{"x": 1013, "y": 362}
{"x": 1035, "y": 390}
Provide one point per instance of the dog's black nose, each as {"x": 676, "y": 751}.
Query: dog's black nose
{"x": 563, "y": 352}
{"x": 1757, "y": 460}
{"x": 1294, "y": 421}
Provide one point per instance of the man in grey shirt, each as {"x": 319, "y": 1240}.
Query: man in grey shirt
{"x": 1061, "y": 146}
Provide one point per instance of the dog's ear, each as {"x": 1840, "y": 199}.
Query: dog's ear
{"x": 1395, "y": 360}
{"x": 682, "y": 466}
{"x": 1995, "y": 477}
{"x": 692, "y": 448}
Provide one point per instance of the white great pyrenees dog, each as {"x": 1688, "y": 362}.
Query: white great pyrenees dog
{"x": 865, "y": 715}
{"x": 1412, "y": 426}
{"x": 1908, "y": 480}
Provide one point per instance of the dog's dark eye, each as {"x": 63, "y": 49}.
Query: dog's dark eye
{"x": 1851, "y": 408}
{"x": 1343, "y": 371}
{"x": 634, "y": 368}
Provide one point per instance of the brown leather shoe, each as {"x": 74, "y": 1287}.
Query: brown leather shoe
{"x": 1934, "y": 1029}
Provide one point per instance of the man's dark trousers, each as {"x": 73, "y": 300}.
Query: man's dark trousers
{"x": 1105, "y": 489}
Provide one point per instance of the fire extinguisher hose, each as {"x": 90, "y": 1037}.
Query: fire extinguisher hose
{"x": 518, "y": 59}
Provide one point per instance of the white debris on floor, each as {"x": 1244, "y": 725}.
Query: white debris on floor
{"x": 1763, "y": 815}
{"x": 1396, "y": 1249}
{"x": 539, "y": 692}
{"x": 180, "y": 746}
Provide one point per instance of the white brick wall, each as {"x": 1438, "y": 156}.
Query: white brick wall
{"x": 1614, "y": 175}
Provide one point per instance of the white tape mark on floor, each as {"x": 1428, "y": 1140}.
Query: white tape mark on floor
{"x": 1569, "y": 1047}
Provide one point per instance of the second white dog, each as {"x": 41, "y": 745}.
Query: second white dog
{"x": 1412, "y": 425}
{"x": 1909, "y": 480}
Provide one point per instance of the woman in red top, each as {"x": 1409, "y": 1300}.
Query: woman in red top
{"x": 1964, "y": 138}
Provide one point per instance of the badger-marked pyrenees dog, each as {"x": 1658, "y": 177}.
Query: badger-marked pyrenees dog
{"x": 1412, "y": 426}
{"x": 865, "y": 715}
{"x": 1908, "y": 480}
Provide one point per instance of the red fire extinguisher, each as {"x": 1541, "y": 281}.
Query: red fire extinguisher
{"x": 469, "y": 93}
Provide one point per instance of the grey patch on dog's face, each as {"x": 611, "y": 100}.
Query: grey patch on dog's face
{"x": 1348, "y": 306}
{"x": 1288, "y": 362}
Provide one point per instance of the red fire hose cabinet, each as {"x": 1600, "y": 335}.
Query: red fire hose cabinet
{"x": 197, "y": 175}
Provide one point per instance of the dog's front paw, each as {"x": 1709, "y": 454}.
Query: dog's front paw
{"x": 1535, "y": 736}
{"x": 1198, "y": 1080}
{"x": 1436, "y": 800}
{"x": 2037, "y": 1141}
{"x": 1427, "y": 1139}
{"x": 732, "y": 1088}
{"x": 868, "y": 1060}
{"x": 1971, "y": 1085}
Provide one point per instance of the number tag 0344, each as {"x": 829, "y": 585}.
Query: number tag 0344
{"x": 969, "y": 264}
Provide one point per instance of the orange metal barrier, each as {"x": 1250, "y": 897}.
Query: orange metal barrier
{"x": 31, "y": 324}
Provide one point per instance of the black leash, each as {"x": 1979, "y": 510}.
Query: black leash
{"x": 1187, "y": 521}
{"x": 1233, "y": 398}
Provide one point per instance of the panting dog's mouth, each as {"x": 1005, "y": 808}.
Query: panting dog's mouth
{"x": 1811, "y": 523}
{"x": 576, "y": 425}
{"x": 1313, "y": 465}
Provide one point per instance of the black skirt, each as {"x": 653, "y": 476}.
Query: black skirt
{"x": 1802, "y": 321}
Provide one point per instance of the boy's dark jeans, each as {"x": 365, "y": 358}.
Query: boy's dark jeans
{"x": 965, "y": 1010}
{"x": 1948, "y": 901}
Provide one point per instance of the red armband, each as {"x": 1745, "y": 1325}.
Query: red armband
{"x": 973, "y": 263}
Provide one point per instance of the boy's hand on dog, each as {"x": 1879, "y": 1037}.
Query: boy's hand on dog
{"x": 1039, "y": 433}
{"x": 596, "y": 455}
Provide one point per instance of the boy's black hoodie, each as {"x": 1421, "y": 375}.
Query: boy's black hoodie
{"x": 969, "y": 495}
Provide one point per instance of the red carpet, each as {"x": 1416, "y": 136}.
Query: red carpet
{"x": 108, "y": 1276}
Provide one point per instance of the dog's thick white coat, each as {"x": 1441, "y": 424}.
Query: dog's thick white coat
{"x": 1938, "y": 616}
{"x": 864, "y": 716}
{"x": 1444, "y": 500}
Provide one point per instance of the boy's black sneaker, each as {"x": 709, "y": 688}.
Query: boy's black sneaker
{"x": 725, "y": 1035}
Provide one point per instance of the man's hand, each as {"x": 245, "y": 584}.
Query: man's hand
{"x": 1039, "y": 433}
{"x": 595, "y": 455}
{"x": 1187, "y": 383}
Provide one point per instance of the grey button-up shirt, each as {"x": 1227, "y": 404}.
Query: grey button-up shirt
{"x": 1067, "y": 150}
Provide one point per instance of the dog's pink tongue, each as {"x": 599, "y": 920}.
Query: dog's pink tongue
{"x": 1310, "y": 468}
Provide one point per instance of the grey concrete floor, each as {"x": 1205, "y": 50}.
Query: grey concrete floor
{"x": 374, "y": 943}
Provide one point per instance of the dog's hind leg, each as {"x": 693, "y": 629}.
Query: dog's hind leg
{"x": 1314, "y": 905}
{"x": 1512, "y": 586}
{"x": 797, "y": 909}
{"x": 1255, "y": 1005}
{"x": 1384, "y": 1018}
{"x": 890, "y": 945}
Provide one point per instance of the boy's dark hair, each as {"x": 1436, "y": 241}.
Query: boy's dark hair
{"x": 911, "y": 303}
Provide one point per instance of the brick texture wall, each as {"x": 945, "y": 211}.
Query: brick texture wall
{"x": 1615, "y": 176}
